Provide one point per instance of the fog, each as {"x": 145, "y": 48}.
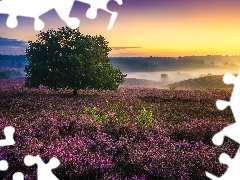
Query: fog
{"x": 175, "y": 76}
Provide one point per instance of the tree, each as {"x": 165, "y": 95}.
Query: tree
{"x": 12, "y": 73}
{"x": 67, "y": 58}
{"x": 13, "y": 63}
{"x": 200, "y": 61}
{"x": 19, "y": 65}
{"x": 3, "y": 75}
{"x": 226, "y": 63}
{"x": 212, "y": 63}
{"x": 233, "y": 65}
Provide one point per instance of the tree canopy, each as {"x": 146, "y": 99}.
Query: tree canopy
{"x": 67, "y": 58}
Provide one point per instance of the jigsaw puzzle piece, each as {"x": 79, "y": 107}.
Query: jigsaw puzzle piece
{"x": 224, "y": 159}
{"x": 25, "y": 8}
{"x": 30, "y": 8}
{"x": 63, "y": 9}
{"x": 101, "y": 4}
{"x": 33, "y": 10}
{"x": 44, "y": 170}
{"x": 235, "y": 98}
{"x": 230, "y": 131}
{"x": 12, "y": 21}
{"x": 233, "y": 172}
{"x": 8, "y": 141}
{"x": 227, "y": 79}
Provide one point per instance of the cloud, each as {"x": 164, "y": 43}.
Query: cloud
{"x": 121, "y": 48}
{"x": 11, "y": 42}
{"x": 129, "y": 55}
{"x": 12, "y": 46}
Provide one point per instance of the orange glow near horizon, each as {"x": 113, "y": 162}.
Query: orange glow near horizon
{"x": 160, "y": 28}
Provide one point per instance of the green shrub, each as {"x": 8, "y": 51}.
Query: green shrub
{"x": 144, "y": 117}
{"x": 116, "y": 109}
{"x": 92, "y": 113}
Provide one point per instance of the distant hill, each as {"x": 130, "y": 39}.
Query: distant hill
{"x": 207, "y": 82}
{"x": 133, "y": 82}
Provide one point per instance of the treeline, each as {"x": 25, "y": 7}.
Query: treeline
{"x": 13, "y": 61}
{"x": 215, "y": 58}
{"x": 134, "y": 64}
{"x": 19, "y": 58}
{"x": 146, "y": 63}
{"x": 158, "y": 63}
{"x": 10, "y": 74}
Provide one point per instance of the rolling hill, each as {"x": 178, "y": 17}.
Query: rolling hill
{"x": 207, "y": 82}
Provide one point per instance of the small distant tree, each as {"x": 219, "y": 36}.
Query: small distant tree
{"x": 202, "y": 75}
{"x": 212, "y": 63}
{"x": 226, "y": 63}
{"x": 232, "y": 64}
{"x": 179, "y": 58}
{"x": 12, "y": 73}
{"x": 3, "y": 75}
{"x": 13, "y": 63}
{"x": 19, "y": 65}
{"x": 67, "y": 58}
{"x": 200, "y": 61}
{"x": 164, "y": 76}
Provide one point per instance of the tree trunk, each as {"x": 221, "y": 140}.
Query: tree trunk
{"x": 75, "y": 92}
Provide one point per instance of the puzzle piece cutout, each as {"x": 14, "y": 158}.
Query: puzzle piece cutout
{"x": 18, "y": 176}
{"x": 36, "y": 8}
{"x": 3, "y": 165}
{"x": 233, "y": 172}
{"x": 44, "y": 170}
{"x": 231, "y": 131}
{"x": 8, "y": 141}
{"x": 235, "y": 98}
{"x": 101, "y": 4}
{"x": 8, "y": 132}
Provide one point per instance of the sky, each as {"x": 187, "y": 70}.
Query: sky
{"x": 145, "y": 27}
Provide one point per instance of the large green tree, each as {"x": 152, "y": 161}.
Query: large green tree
{"x": 67, "y": 58}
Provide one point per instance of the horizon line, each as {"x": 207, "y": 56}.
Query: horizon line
{"x": 140, "y": 56}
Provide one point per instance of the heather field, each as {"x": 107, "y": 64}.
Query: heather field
{"x": 132, "y": 133}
